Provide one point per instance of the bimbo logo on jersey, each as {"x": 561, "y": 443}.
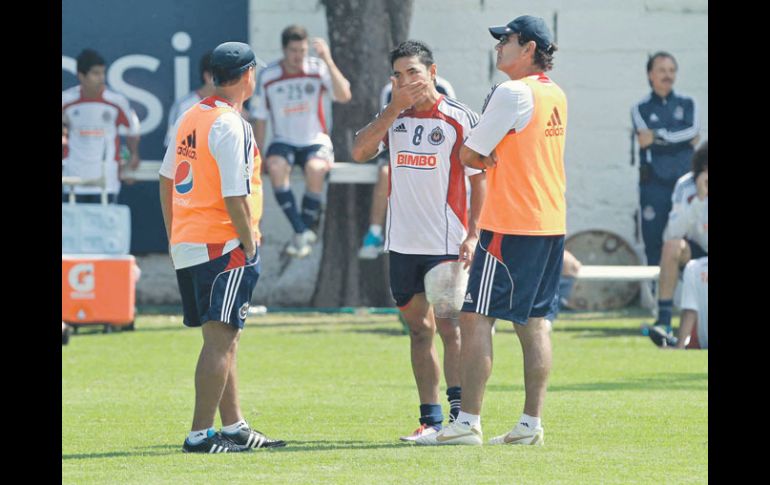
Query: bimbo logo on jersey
{"x": 419, "y": 161}
{"x": 183, "y": 179}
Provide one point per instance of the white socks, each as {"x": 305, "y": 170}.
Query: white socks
{"x": 472, "y": 419}
{"x": 196, "y": 437}
{"x": 376, "y": 229}
{"x": 235, "y": 427}
{"x": 528, "y": 421}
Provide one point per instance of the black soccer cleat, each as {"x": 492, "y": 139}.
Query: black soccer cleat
{"x": 661, "y": 338}
{"x": 216, "y": 443}
{"x": 253, "y": 439}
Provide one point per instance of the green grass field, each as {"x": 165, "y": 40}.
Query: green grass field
{"x": 340, "y": 389}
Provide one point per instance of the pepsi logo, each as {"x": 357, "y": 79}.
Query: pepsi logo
{"x": 183, "y": 180}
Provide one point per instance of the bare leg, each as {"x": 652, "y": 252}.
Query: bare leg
{"x": 422, "y": 327}
{"x": 380, "y": 197}
{"x": 229, "y": 405}
{"x": 449, "y": 330}
{"x": 315, "y": 174}
{"x": 536, "y": 347}
{"x": 675, "y": 252}
{"x": 688, "y": 321}
{"x": 211, "y": 372}
{"x": 279, "y": 170}
{"x": 475, "y": 359}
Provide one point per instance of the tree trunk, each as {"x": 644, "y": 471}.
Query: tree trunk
{"x": 361, "y": 34}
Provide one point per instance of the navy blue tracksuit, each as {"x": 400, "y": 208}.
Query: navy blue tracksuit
{"x": 674, "y": 121}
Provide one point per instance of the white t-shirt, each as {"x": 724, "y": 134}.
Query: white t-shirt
{"x": 231, "y": 141}
{"x": 509, "y": 106}
{"x": 94, "y": 135}
{"x": 689, "y": 216}
{"x": 695, "y": 295}
{"x": 294, "y": 102}
{"x": 427, "y": 202}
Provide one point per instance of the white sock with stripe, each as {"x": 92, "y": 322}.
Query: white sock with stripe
{"x": 196, "y": 437}
{"x": 471, "y": 419}
{"x": 528, "y": 421}
{"x": 233, "y": 428}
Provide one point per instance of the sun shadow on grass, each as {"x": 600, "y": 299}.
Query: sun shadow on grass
{"x": 291, "y": 446}
{"x": 659, "y": 382}
{"x": 158, "y": 450}
{"x": 305, "y": 446}
{"x": 598, "y": 332}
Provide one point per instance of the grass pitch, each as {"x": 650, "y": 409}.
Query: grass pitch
{"x": 340, "y": 390}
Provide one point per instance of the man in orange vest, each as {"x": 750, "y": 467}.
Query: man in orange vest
{"x": 519, "y": 140}
{"x": 211, "y": 197}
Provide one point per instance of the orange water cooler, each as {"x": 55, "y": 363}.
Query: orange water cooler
{"x": 99, "y": 289}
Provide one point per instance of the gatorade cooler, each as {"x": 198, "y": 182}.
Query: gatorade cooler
{"x": 98, "y": 289}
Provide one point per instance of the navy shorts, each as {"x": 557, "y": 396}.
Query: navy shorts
{"x": 515, "y": 277}
{"x": 696, "y": 251}
{"x": 407, "y": 273}
{"x": 218, "y": 290}
{"x": 300, "y": 155}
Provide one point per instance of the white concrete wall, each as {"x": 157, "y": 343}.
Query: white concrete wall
{"x": 603, "y": 49}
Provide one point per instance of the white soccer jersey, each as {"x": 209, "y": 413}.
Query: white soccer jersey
{"x": 695, "y": 295}
{"x": 427, "y": 202}
{"x": 94, "y": 135}
{"x": 294, "y": 102}
{"x": 689, "y": 216}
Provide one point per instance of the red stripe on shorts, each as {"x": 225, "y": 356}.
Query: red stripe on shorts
{"x": 237, "y": 259}
{"x": 215, "y": 250}
{"x": 494, "y": 246}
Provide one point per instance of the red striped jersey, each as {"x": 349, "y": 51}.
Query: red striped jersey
{"x": 427, "y": 197}
{"x": 294, "y": 102}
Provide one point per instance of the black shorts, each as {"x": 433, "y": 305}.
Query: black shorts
{"x": 407, "y": 273}
{"x": 219, "y": 290}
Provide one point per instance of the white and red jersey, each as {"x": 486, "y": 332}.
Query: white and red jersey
{"x": 427, "y": 197}
{"x": 294, "y": 102}
{"x": 94, "y": 135}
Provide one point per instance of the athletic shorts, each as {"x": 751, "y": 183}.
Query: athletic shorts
{"x": 696, "y": 251}
{"x": 407, "y": 273}
{"x": 300, "y": 155}
{"x": 515, "y": 277}
{"x": 219, "y": 290}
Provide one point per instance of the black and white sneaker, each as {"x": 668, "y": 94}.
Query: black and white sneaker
{"x": 216, "y": 443}
{"x": 661, "y": 338}
{"x": 253, "y": 439}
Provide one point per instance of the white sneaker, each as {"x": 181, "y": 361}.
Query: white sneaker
{"x": 520, "y": 435}
{"x": 423, "y": 430}
{"x": 300, "y": 245}
{"x": 454, "y": 434}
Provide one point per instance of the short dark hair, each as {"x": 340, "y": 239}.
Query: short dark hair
{"x": 87, "y": 59}
{"x": 663, "y": 54}
{"x": 206, "y": 65}
{"x": 293, "y": 32}
{"x": 412, "y": 48}
{"x": 700, "y": 159}
{"x": 542, "y": 57}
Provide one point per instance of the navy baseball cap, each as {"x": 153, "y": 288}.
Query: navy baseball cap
{"x": 531, "y": 27}
{"x": 230, "y": 59}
